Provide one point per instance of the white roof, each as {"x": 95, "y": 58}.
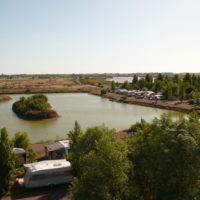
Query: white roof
{"x": 47, "y": 164}
{"x": 18, "y": 151}
{"x": 58, "y": 145}
{"x": 65, "y": 143}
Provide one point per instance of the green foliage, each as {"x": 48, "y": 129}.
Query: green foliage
{"x": 148, "y": 78}
{"x": 160, "y": 77}
{"x": 21, "y": 140}
{"x": 166, "y": 157}
{"x": 113, "y": 85}
{"x": 141, "y": 83}
{"x": 7, "y": 163}
{"x": 92, "y": 80}
{"x": 135, "y": 79}
{"x": 75, "y": 136}
{"x": 175, "y": 87}
{"x": 103, "y": 91}
{"x": 34, "y": 107}
{"x": 125, "y": 85}
{"x": 167, "y": 91}
{"x": 102, "y": 166}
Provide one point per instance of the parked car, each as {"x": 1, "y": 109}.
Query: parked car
{"x": 139, "y": 95}
{"x": 159, "y": 97}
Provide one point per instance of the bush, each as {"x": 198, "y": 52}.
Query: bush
{"x": 34, "y": 107}
{"x": 103, "y": 91}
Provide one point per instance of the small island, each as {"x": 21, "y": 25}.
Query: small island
{"x": 35, "y": 107}
{"x": 4, "y": 98}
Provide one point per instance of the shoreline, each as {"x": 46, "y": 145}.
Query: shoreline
{"x": 68, "y": 85}
{"x": 38, "y": 120}
{"x": 4, "y": 98}
{"x": 93, "y": 90}
{"x": 168, "y": 105}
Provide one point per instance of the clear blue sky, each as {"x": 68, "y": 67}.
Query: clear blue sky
{"x": 87, "y": 36}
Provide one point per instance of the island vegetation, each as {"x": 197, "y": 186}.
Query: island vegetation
{"x": 35, "y": 107}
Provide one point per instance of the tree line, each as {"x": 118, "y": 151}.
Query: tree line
{"x": 158, "y": 161}
{"x": 176, "y": 87}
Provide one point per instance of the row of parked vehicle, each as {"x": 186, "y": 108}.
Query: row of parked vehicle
{"x": 140, "y": 94}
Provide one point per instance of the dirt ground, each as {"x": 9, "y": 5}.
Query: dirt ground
{"x": 56, "y": 193}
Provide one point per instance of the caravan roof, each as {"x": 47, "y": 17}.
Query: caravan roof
{"x": 18, "y": 151}
{"x": 65, "y": 143}
{"x": 58, "y": 145}
{"x": 47, "y": 164}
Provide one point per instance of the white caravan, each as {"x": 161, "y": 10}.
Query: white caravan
{"x": 47, "y": 173}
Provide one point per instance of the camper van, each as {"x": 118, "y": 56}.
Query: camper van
{"x": 47, "y": 173}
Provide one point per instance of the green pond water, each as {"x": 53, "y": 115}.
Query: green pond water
{"x": 87, "y": 109}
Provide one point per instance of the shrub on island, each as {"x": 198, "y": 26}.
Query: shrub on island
{"x": 35, "y": 107}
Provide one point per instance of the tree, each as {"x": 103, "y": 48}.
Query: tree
{"x": 113, "y": 86}
{"x": 141, "y": 83}
{"x": 160, "y": 77}
{"x": 126, "y": 85}
{"x": 21, "y": 140}
{"x": 74, "y": 136}
{"x": 167, "y": 91}
{"x": 135, "y": 79}
{"x": 175, "y": 90}
{"x": 103, "y": 167}
{"x": 157, "y": 85}
{"x": 103, "y": 91}
{"x": 148, "y": 78}
{"x": 187, "y": 78}
{"x": 176, "y": 78}
{"x": 165, "y": 157}
{"x": 7, "y": 163}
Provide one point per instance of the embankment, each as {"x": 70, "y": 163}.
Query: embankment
{"x": 169, "y": 105}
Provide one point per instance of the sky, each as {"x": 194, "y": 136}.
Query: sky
{"x": 99, "y": 36}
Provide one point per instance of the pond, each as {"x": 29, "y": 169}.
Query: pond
{"x": 88, "y": 110}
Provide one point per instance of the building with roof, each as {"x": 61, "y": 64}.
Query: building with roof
{"x": 57, "y": 150}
